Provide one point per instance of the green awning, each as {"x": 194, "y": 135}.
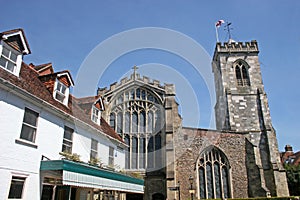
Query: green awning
{"x": 84, "y": 175}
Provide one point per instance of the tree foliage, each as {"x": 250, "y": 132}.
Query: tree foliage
{"x": 293, "y": 178}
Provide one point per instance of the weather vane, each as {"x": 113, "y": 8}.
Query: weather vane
{"x": 228, "y": 29}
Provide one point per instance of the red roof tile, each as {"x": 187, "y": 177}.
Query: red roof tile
{"x": 15, "y": 31}
{"x": 29, "y": 80}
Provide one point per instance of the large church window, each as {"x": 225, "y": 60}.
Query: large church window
{"x": 241, "y": 73}
{"x": 136, "y": 116}
{"x": 213, "y": 173}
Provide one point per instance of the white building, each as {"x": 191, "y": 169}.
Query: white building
{"x": 40, "y": 120}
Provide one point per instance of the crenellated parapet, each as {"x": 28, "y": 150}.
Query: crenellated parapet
{"x": 236, "y": 47}
{"x": 136, "y": 78}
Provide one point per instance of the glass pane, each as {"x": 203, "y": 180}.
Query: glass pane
{"x": 13, "y": 57}
{"x": 202, "y": 183}
{"x": 134, "y": 122}
{"x": 16, "y": 187}
{"x": 30, "y": 117}
{"x": 3, "y": 62}
{"x": 209, "y": 174}
{"x": 112, "y": 120}
{"x": 142, "y": 149}
{"x": 59, "y": 86}
{"x": 157, "y": 121}
{"x": 225, "y": 182}
{"x": 134, "y": 152}
{"x": 126, "y": 96}
{"x": 93, "y": 154}
{"x": 27, "y": 133}
{"x": 60, "y": 97}
{"x": 127, "y": 122}
{"x": 217, "y": 180}
{"x": 94, "y": 145}
{"x": 150, "y": 122}
{"x": 47, "y": 192}
{"x": 132, "y": 94}
{"x": 68, "y": 133}
{"x": 10, "y": 66}
{"x": 119, "y": 122}
{"x": 142, "y": 122}
{"x": 111, "y": 151}
{"x": 138, "y": 93}
{"x": 5, "y": 52}
{"x": 143, "y": 94}
{"x": 158, "y": 160}
{"x": 120, "y": 99}
{"x": 150, "y": 153}
{"x": 66, "y": 148}
{"x": 127, "y": 158}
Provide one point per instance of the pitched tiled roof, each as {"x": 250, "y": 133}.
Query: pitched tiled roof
{"x": 15, "y": 31}
{"x": 42, "y": 66}
{"x": 29, "y": 81}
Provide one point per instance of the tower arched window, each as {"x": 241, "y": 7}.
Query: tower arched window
{"x": 136, "y": 116}
{"x": 241, "y": 73}
{"x": 213, "y": 173}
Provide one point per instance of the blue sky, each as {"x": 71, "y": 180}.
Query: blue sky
{"x": 65, "y": 32}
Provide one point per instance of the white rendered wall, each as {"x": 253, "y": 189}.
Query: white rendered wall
{"x": 21, "y": 160}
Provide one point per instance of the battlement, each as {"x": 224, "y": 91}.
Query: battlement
{"x": 144, "y": 80}
{"x": 236, "y": 47}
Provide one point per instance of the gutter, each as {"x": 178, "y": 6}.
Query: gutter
{"x": 6, "y": 85}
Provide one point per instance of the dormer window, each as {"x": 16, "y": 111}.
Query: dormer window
{"x": 96, "y": 111}
{"x": 61, "y": 92}
{"x": 10, "y": 59}
{"x": 96, "y": 115}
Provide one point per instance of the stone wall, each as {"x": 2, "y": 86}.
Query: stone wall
{"x": 189, "y": 143}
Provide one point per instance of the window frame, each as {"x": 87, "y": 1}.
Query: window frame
{"x": 213, "y": 156}
{"x": 241, "y": 70}
{"x": 95, "y": 117}
{"x": 17, "y": 177}
{"x": 16, "y": 63}
{"x": 30, "y": 126}
{"x": 111, "y": 159}
{"x": 66, "y": 140}
{"x": 58, "y": 91}
{"x": 94, "y": 151}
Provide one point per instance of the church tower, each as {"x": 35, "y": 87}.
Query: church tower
{"x": 242, "y": 107}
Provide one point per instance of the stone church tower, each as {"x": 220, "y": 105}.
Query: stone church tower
{"x": 238, "y": 160}
{"x": 242, "y": 107}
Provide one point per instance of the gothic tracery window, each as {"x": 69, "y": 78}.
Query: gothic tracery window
{"x": 136, "y": 117}
{"x": 241, "y": 73}
{"x": 213, "y": 173}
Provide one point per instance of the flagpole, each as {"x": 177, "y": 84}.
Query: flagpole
{"x": 217, "y": 35}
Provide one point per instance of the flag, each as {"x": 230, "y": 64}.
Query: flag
{"x": 219, "y": 23}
